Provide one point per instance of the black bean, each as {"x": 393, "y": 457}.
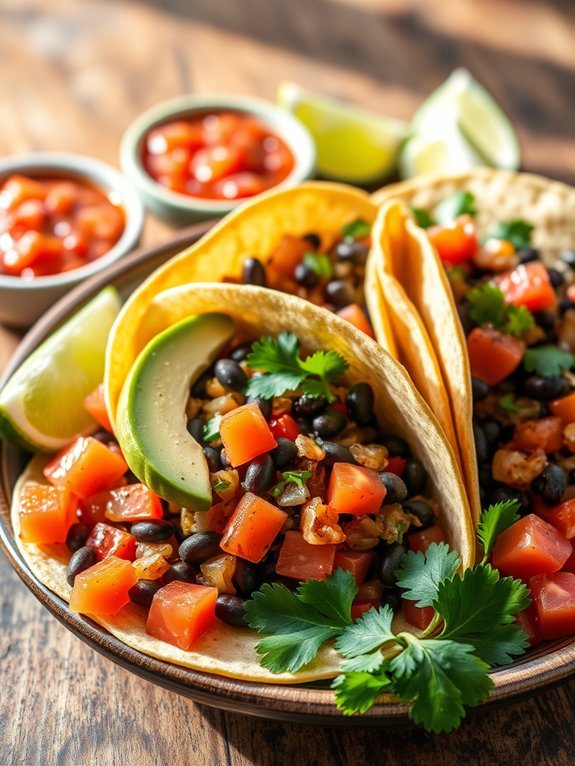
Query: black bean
{"x": 308, "y": 406}
{"x": 305, "y": 425}
{"x": 254, "y": 272}
{"x": 77, "y": 536}
{"x": 568, "y": 257}
{"x": 388, "y": 563}
{"x": 313, "y": 239}
{"x": 213, "y": 458}
{"x": 224, "y": 462}
{"x": 231, "y": 609}
{"x": 544, "y": 389}
{"x": 528, "y": 255}
{"x": 230, "y": 374}
{"x": 359, "y": 401}
{"x": 414, "y": 476}
{"x": 198, "y": 389}
{"x": 422, "y": 510}
{"x": 545, "y": 319}
{"x": 492, "y": 431}
{"x": 565, "y": 305}
{"x": 143, "y": 592}
{"x": 241, "y": 352}
{"x": 196, "y": 428}
{"x": 260, "y": 475}
{"x": 394, "y": 445}
{"x": 485, "y": 477}
{"x": 352, "y": 250}
{"x": 329, "y": 424}
{"x": 550, "y": 484}
{"x": 556, "y": 277}
{"x": 199, "y": 547}
{"x": 285, "y": 453}
{"x": 245, "y": 577}
{"x": 155, "y": 531}
{"x": 479, "y": 388}
{"x": 339, "y": 293}
{"x": 395, "y": 486}
{"x": 79, "y": 561}
{"x": 265, "y": 405}
{"x": 180, "y": 571}
{"x": 392, "y": 597}
{"x": 481, "y": 445}
{"x": 266, "y": 569}
{"x": 337, "y": 453}
{"x": 502, "y": 493}
{"x": 306, "y": 276}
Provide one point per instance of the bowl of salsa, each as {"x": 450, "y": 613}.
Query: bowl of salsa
{"x": 63, "y": 217}
{"x": 197, "y": 157}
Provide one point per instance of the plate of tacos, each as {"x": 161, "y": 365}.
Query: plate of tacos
{"x": 265, "y": 484}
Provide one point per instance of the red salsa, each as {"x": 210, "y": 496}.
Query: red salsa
{"x": 52, "y": 225}
{"x": 220, "y": 156}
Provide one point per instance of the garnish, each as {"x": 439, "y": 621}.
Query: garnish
{"x": 319, "y": 263}
{"x": 283, "y": 369}
{"x": 356, "y": 229}
{"x": 517, "y": 232}
{"x": 290, "y": 477}
{"x": 211, "y": 430}
{"x": 422, "y": 217}
{"x": 507, "y": 403}
{"x": 461, "y": 203}
{"x": 547, "y": 361}
{"x": 420, "y": 574}
{"x": 487, "y": 306}
{"x": 221, "y": 485}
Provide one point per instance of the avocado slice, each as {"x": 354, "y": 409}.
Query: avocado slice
{"x": 151, "y": 425}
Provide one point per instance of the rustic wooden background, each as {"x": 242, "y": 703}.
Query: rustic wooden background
{"x": 73, "y": 74}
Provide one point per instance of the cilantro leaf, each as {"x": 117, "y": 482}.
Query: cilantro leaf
{"x": 518, "y": 319}
{"x": 220, "y": 485}
{"x": 328, "y": 366}
{"x": 290, "y": 477}
{"x": 547, "y": 361}
{"x": 495, "y": 520}
{"x": 507, "y": 403}
{"x": 420, "y": 574}
{"x": 356, "y": 692}
{"x": 460, "y": 203}
{"x": 331, "y": 597}
{"x": 487, "y": 306}
{"x": 319, "y": 263}
{"x": 517, "y": 232}
{"x": 356, "y": 229}
{"x": 211, "y": 430}
{"x": 369, "y": 632}
{"x": 441, "y": 677}
{"x": 367, "y": 663}
{"x": 423, "y": 218}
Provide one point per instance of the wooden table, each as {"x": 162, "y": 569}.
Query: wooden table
{"x": 74, "y": 74}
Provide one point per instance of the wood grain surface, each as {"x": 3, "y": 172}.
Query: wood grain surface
{"x": 74, "y": 73}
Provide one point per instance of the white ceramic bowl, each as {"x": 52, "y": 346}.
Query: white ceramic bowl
{"x": 22, "y": 301}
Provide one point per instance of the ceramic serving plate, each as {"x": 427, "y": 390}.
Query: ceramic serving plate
{"x": 312, "y": 703}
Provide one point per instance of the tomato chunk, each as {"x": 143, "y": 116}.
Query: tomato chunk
{"x": 561, "y": 516}
{"x": 134, "y": 502}
{"x": 455, "y": 243}
{"x": 252, "y": 528}
{"x": 354, "y": 489}
{"x": 303, "y": 561}
{"x": 284, "y": 426}
{"x": 528, "y": 285}
{"x": 94, "y": 403}
{"x": 493, "y": 356}
{"x": 564, "y": 408}
{"x": 102, "y": 589}
{"x": 245, "y": 434}
{"x": 554, "y": 598}
{"x": 46, "y": 514}
{"x": 356, "y": 562}
{"x": 360, "y": 608}
{"x": 420, "y": 541}
{"x": 530, "y": 546}
{"x": 418, "y": 616}
{"x": 288, "y": 254}
{"x": 529, "y": 624}
{"x": 181, "y": 613}
{"x": 355, "y": 316}
{"x": 86, "y": 467}
{"x": 396, "y": 464}
{"x": 546, "y": 433}
{"x": 108, "y": 541}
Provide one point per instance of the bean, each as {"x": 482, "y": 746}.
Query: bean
{"x": 352, "y": 250}
{"x": 260, "y": 475}
{"x": 231, "y": 609}
{"x": 245, "y": 577}
{"x": 80, "y": 560}
{"x": 337, "y": 453}
{"x": 304, "y": 425}
{"x": 485, "y": 477}
{"x": 422, "y": 510}
{"x": 528, "y": 255}
{"x": 545, "y": 319}
{"x": 503, "y": 493}
{"x": 329, "y": 424}
{"x": 230, "y": 374}
{"x": 77, "y": 536}
{"x": 155, "y": 531}
{"x": 394, "y": 444}
{"x": 492, "y": 431}
{"x": 550, "y": 484}
{"x": 265, "y": 405}
{"x": 414, "y": 476}
{"x": 199, "y": 547}
{"x": 180, "y": 571}
{"x": 340, "y": 293}
{"x": 196, "y": 428}
{"x": 308, "y": 406}
{"x": 285, "y": 453}
{"x": 388, "y": 562}
{"x": 213, "y": 458}
{"x": 359, "y": 401}
{"x": 198, "y": 389}
{"x": 556, "y": 277}
{"x": 565, "y": 305}
{"x": 544, "y": 389}
{"x": 241, "y": 352}
{"x": 224, "y": 462}
{"x": 305, "y": 275}
{"x": 479, "y": 388}
{"x": 392, "y": 597}
{"x": 143, "y": 592}
{"x": 481, "y": 446}
{"x": 254, "y": 272}
{"x": 395, "y": 486}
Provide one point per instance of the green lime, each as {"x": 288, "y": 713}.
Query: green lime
{"x": 353, "y": 145}
{"x": 41, "y": 406}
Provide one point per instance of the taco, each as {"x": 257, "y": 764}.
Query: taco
{"x": 250, "y": 492}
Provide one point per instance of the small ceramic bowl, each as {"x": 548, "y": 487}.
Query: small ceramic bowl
{"x": 181, "y": 209}
{"x": 22, "y": 301}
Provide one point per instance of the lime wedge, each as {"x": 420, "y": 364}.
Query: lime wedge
{"x": 445, "y": 151}
{"x": 41, "y": 406}
{"x": 352, "y": 144}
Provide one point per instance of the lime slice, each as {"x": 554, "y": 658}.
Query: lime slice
{"x": 41, "y": 406}
{"x": 445, "y": 151}
{"x": 352, "y": 144}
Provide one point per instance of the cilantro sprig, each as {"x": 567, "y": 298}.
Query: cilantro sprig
{"x": 487, "y": 306}
{"x": 517, "y": 231}
{"x": 548, "y": 361}
{"x": 357, "y": 229}
{"x": 284, "y": 370}
{"x": 452, "y": 206}
{"x": 319, "y": 263}
{"x": 211, "y": 430}
{"x": 290, "y": 477}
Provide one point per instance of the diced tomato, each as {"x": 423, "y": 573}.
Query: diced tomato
{"x": 176, "y": 134}
{"x": 46, "y": 514}
{"x": 35, "y": 251}
{"x": 181, "y": 613}
{"x": 554, "y": 598}
{"x": 420, "y": 541}
{"x": 493, "y": 356}
{"x": 86, "y": 467}
{"x": 396, "y": 464}
{"x": 530, "y": 546}
{"x": 29, "y": 215}
{"x": 546, "y": 433}
{"x": 134, "y": 502}
{"x": 288, "y": 254}
{"x": 95, "y": 404}
{"x": 355, "y": 316}
{"x": 284, "y": 426}
{"x": 211, "y": 163}
{"x": 564, "y": 408}
{"x": 239, "y": 185}
{"x": 245, "y": 434}
{"x": 102, "y": 589}
{"x": 528, "y": 285}
{"x": 569, "y": 565}
{"x": 93, "y": 508}
{"x": 18, "y": 189}
{"x": 561, "y": 516}
{"x": 304, "y": 561}
{"x": 418, "y": 616}
{"x": 252, "y": 528}
{"x": 359, "y": 609}
{"x": 456, "y": 242}
{"x": 61, "y": 198}
{"x": 355, "y": 489}
{"x": 356, "y": 562}
{"x": 529, "y": 624}
{"x": 108, "y": 541}
{"x": 340, "y": 407}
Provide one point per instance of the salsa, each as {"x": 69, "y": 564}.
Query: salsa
{"x": 218, "y": 156}
{"x": 53, "y": 225}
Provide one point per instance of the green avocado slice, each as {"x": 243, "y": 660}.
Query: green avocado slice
{"x": 151, "y": 427}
